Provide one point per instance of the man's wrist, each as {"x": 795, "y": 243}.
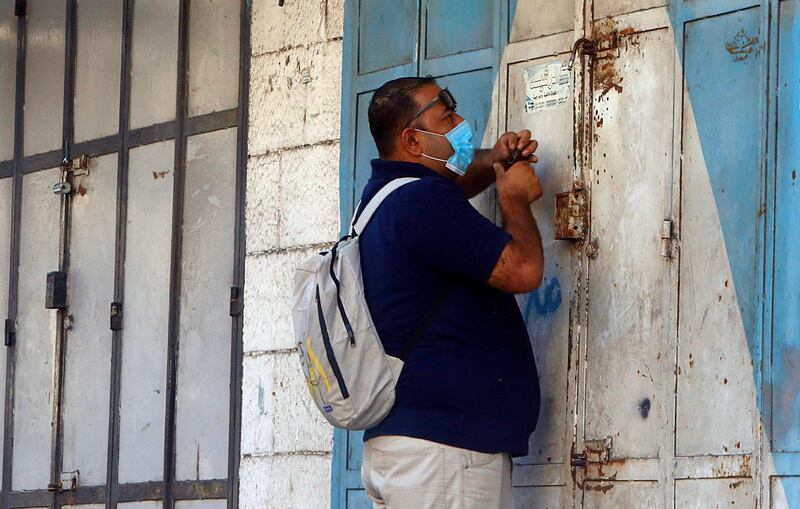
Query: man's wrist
{"x": 513, "y": 199}
{"x": 483, "y": 156}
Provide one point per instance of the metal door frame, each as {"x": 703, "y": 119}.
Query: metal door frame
{"x": 179, "y": 129}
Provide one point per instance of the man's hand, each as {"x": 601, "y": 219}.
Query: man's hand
{"x": 518, "y": 182}
{"x": 480, "y": 174}
{"x": 510, "y": 142}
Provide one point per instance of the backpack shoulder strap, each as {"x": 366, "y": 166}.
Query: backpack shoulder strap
{"x": 360, "y": 221}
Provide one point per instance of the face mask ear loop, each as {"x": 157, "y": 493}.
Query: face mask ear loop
{"x": 434, "y": 158}
{"x": 435, "y": 134}
{"x": 429, "y": 132}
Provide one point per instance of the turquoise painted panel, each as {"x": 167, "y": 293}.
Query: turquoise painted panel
{"x": 722, "y": 69}
{"x": 458, "y": 26}
{"x": 786, "y": 298}
{"x": 386, "y": 35}
{"x": 790, "y": 486}
{"x": 365, "y": 147}
{"x": 473, "y": 92}
{"x": 355, "y": 446}
{"x": 358, "y": 499}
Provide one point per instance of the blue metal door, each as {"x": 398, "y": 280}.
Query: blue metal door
{"x": 457, "y": 42}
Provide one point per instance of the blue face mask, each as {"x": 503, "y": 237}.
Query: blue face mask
{"x": 460, "y": 138}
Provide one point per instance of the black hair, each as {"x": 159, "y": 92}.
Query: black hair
{"x": 390, "y": 109}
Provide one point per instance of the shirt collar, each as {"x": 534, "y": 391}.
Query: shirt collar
{"x": 384, "y": 169}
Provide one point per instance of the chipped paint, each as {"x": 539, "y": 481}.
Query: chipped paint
{"x": 742, "y": 45}
{"x": 598, "y": 486}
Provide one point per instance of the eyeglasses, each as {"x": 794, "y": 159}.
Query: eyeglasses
{"x": 447, "y": 99}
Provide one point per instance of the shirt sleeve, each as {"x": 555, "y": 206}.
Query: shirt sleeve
{"x": 441, "y": 228}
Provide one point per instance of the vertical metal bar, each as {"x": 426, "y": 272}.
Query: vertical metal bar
{"x": 235, "y": 426}
{"x": 69, "y": 77}
{"x": 176, "y": 253}
{"x": 676, "y": 214}
{"x": 347, "y": 129}
{"x": 774, "y": 44}
{"x": 16, "y": 200}
{"x": 112, "y": 463}
{"x": 770, "y": 26}
{"x": 63, "y": 250}
{"x": 57, "y": 434}
{"x": 576, "y": 385}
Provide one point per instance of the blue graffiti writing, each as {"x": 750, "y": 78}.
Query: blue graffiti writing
{"x": 545, "y": 299}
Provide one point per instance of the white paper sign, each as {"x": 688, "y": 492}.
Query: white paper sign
{"x": 546, "y": 86}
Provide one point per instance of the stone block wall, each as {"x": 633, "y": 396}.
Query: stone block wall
{"x": 292, "y": 211}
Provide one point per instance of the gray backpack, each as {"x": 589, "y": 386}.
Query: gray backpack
{"x": 350, "y": 377}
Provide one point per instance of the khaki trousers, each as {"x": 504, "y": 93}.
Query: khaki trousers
{"x": 409, "y": 473}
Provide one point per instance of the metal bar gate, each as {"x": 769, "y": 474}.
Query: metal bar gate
{"x": 122, "y": 177}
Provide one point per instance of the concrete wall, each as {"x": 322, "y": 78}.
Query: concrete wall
{"x": 292, "y": 211}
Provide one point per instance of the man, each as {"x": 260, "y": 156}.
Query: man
{"x": 437, "y": 272}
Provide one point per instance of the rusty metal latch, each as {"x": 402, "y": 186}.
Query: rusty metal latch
{"x": 605, "y": 44}
{"x": 606, "y": 41}
{"x": 595, "y": 452}
{"x": 578, "y": 459}
{"x": 584, "y": 46}
{"x": 78, "y": 166}
{"x": 68, "y": 481}
{"x": 572, "y": 214}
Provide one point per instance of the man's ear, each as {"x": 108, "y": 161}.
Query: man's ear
{"x": 409, "y": 139}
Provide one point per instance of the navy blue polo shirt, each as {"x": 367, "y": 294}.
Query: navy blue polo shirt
{"x": 471, "y": 381}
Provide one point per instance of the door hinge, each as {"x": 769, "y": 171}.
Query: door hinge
{"x": 236, "y": 301}
{"x": 116, "y": 316}
{"x": 666, "y": 238}
{"x": 68, "y": 481}
{"x": 10, "y": 332}
{"x": 594, "y": 452}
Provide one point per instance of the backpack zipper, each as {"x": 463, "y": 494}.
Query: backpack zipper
{"x": 326, "y": 340}
{"x": 350, "y": 336}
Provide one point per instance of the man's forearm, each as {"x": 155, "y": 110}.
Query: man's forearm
{"x": 518, "y": 221}
{"x": 479, "y": 176}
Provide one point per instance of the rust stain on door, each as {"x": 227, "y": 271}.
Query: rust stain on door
{"x": 742, "y": 45}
